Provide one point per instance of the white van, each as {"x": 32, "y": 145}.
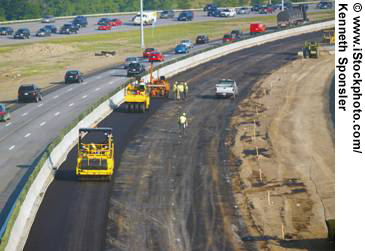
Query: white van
{"x": 149, "y": 17}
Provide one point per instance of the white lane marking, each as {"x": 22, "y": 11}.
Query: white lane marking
{"x": 98, "y": 77}
{"x": 70, "y": 104}
{"x": 84, "y": 83}
{"x": 27, "y": 135}
{"x": 97, "y": 89}
{"x": 43, "y": 123}
{"x": 55, "y": 97}
{"x": 70, "y": 89}
{"x": 41, "y": 104}
{"x": 11, "y": 148}
{"x": 111, "y": 82}
{"x": 24, "y": 114}
{"x": 85, "y": 96}
{"x": 57, "y": 113}
{"x": 8, "y": 124}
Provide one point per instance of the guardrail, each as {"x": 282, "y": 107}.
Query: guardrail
{"x": 31, "y": 196}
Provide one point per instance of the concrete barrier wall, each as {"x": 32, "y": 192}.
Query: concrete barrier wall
{"x": 28, "y": 209}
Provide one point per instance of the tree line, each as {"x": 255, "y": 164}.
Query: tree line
{"x": 29, "y": 9}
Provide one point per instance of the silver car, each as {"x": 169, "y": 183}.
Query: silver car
{"x": 129, "y": 60}
{"x": 187, "y": 43}
{"x": 48, "y": 19}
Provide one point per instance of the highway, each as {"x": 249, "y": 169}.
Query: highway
{"x": 168, "y": 193}
{"x": 34, "y": 125}
{"x": 127, "y": 26}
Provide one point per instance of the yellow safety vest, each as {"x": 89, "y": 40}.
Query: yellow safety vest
{"x": 182, "y": 119}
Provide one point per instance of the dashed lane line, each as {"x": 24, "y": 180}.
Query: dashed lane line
{"x": 8, "y": 124}
{"x": 70, "y": 104}
{"x": 43, "y": 123}
{"x": 85, "y": 96}
{"x": 55, "y": 97}
{"x": 27, "y": 135}
{"x": 41, "y": 104}
{"x": 11, "y": 148}
{"x": 97, "y": 89}
{"x": 24, "y": 114}
{"x": 70, "y": 89}
{"x": 57, "y": 113}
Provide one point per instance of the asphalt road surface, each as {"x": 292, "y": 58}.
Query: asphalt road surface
{"x": 34, "y": 125}
{"x": 127, "y": 26}
{"x": 168, "y": 193}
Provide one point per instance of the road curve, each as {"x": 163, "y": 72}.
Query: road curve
{"x": 198, "y": 213}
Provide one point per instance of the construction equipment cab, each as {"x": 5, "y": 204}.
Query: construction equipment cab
{"x": 95, "y": 158}
{"x": 226, "y": 88}
{"x": 158, "y": 87}
{"x": 311, "y": 49}
{"x": 328, "y": 36}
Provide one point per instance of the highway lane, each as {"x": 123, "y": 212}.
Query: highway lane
{"x": 73, "y": 215}
{"x": 34, "y": 125}
{"x": 127, "y": 26}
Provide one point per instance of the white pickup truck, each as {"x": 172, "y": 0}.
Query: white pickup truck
{"x": 226, "y": 88}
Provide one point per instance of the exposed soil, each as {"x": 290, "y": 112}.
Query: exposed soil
{"x": 283, "y": 136}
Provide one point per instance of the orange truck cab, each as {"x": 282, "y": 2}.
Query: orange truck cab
{"x": 257, "y": 28}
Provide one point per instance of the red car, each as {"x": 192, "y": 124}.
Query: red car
{"x": 147, "y": 52}
{"x": 104, "y": 27}
{"x": 156, "y": 56}
{"x": 115, "y": 22}
{"x": 228, "y": 38}
{"x": 257, "y": 28}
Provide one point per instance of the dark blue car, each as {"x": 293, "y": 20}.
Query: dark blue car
{"x": 181, "y": 48}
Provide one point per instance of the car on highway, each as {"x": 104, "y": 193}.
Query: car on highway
{"x": 4, "y": 113}
{"x": 74, "y": 76}
{"x": 22, "y": 33}
{"x": 214, "y": 13}
{"x": 256, "y": 28}
{"x": 237, "y": 34}
{"x": 104, "y": 27}
{"x": 80, "y": 21}
{"x": 29, "y": 93}
{"x": 147, "y": 52}
{"x": 188, "y": 43}
{"x": 69, "y": 29}
{"x": 51, "y": 28}
{"x": 43, "y": 32}
{"x": 135, "y": 69}
{"x": 129, "y": 60}
{"x": 116, "y": 22}
{"x": 228, "y": 12}
{"x": 48, "y": 19}
{"x": 181, "y": 48}
{"x": 209, "y": 7}
{"x": 186, "y": 16}
{"x": 324, "y": 5}
{"x": 156, "y": 57}
{"x": 104, "y": 21}
{"x": 167, "y": 14}
{"x": 226, "y": 88}
{"x": 6, "y": 31}
{"x": 244, "y": 10}
{"x": 202, "y": 39}
{"x": 256, "y": 8}
{"x": 228, "y": 38}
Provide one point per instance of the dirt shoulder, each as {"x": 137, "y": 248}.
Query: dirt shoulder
{"x": 288, "y": 189}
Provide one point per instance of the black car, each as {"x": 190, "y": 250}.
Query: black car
{"x": 51, "y": 28}
{"x": 69, "y": 29}
{"x": 29, "y": 93}
{"x": 167, "y": 14}
{"x": 43, "y": 32}
{"x": 80, "y": 21}
{"x": 210, "y": 7}
{"x": 22, "y": 33}
{"x": 104, "y": 21}
{"x": 74, "y": 76}
{"x": 202, "y": 39}
{"x": 135, "y": 69}
{"x": 6, "y": 31}
{"x": 214, "y": 13}
{"x": 186, "y": 16}
{"x": 324, "y": 5}
{"x": 256, "y": 8}
{"x": 237, "y": 33}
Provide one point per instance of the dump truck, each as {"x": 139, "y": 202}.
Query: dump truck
{"x": 95, "y": 157}
{"x": 159, "y": 87}
{"x": 328, "y": 37}
{"x": 311, "y": 49}
{"x": 136, "y": 98}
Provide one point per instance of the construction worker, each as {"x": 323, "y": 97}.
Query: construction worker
{"x": 180, "y": 90}
{"x": 186, "y": 88}
{"x": 174, "y": 89}
{"x": 183, "y": 122}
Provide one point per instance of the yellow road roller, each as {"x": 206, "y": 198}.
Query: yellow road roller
{"x": 136, "y": 98}
{"x": 95, "y": 158}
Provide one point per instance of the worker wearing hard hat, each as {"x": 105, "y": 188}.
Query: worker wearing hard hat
{"x": 183, "y": 122}
{"x": 174, "y": 89}
{"x": 180, "y": 90}
{"x": 186, "y": 88}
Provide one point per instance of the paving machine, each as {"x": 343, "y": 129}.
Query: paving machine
{"x": 159, "y": 87}
{"x": 328, "y": 36}
{"x": 311, "y": 50}
{"x": 136, "y": 98}
{"x": 95, "y": 158}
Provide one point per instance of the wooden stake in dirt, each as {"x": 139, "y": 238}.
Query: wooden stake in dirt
{"x": 254, "y": 130}
{"x": 260, "y": 175}
{"x": 282, "y": 231}
{"x": 257, "y": 152}
{"x": 268, "y": 198}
